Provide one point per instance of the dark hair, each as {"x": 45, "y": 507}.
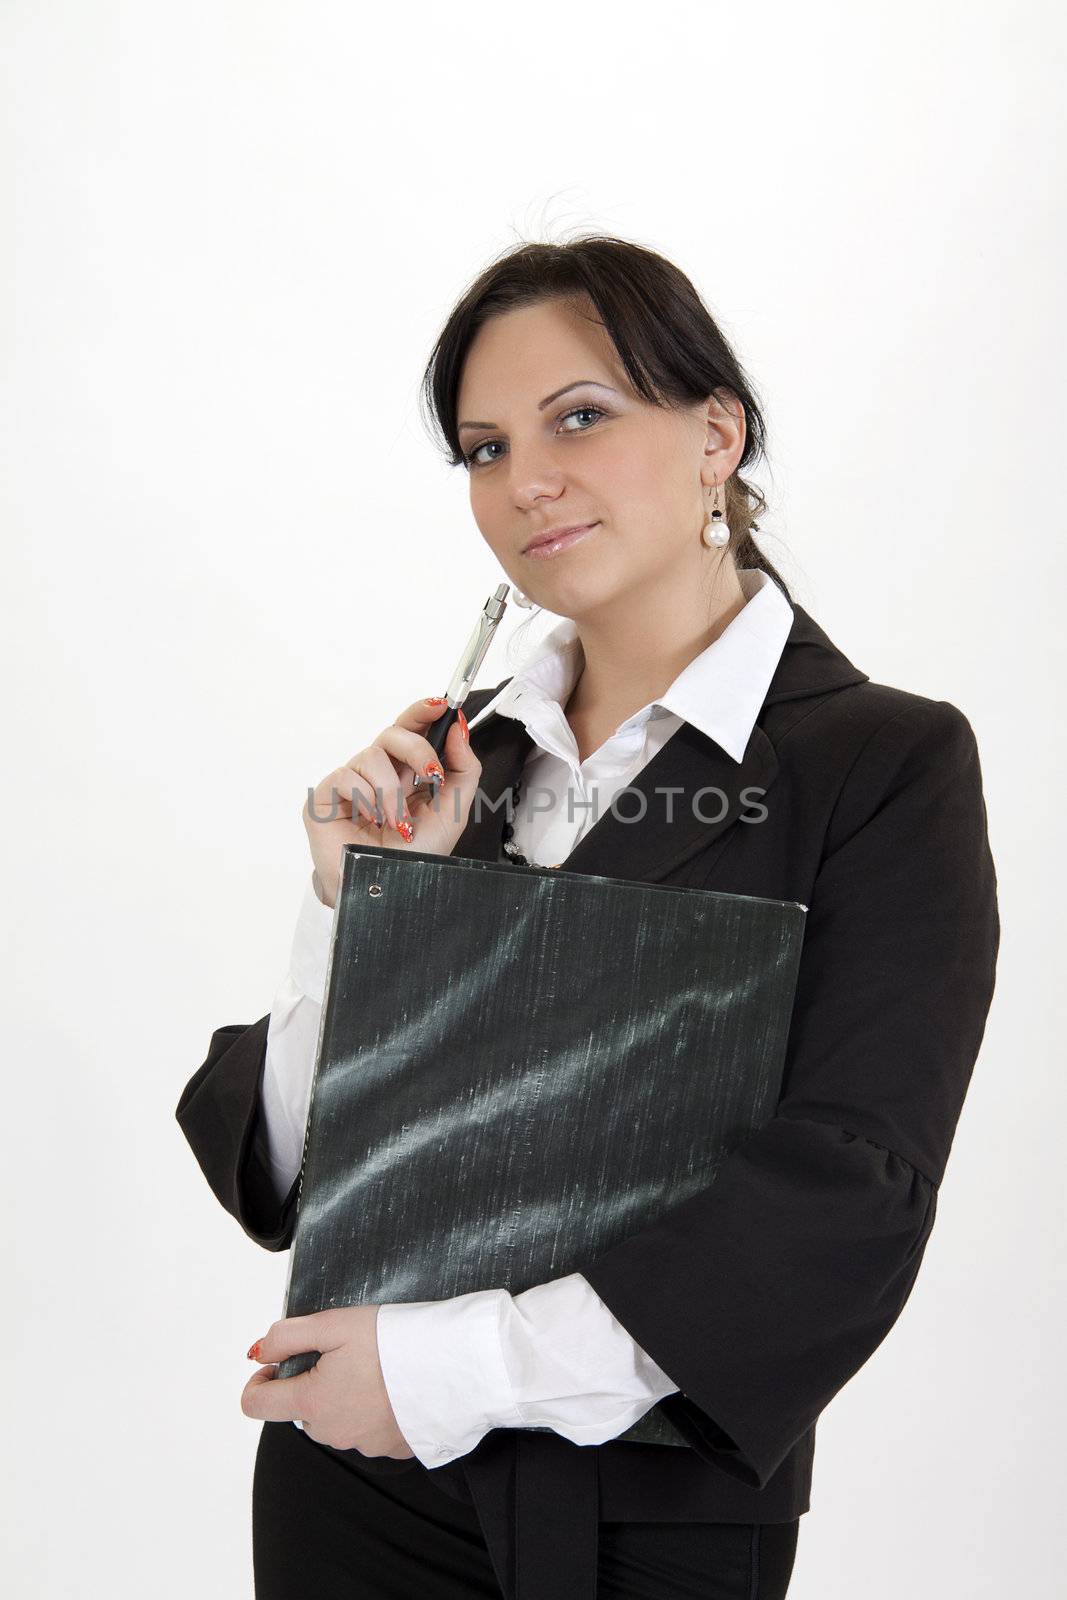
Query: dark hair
{"x": 670, "y": 345}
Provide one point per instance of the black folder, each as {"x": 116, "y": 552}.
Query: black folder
{"x": 518, "y": 1066}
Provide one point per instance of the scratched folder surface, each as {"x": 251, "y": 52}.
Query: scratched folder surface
{"x": 519, "y": 1066}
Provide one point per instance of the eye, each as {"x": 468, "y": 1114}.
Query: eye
{"x": 576, "y": 411}
{"x": 593, "y": 410}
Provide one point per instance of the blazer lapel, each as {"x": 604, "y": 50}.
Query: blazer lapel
{"x": 501, "y": 745}
{"x": 684, "y": 799}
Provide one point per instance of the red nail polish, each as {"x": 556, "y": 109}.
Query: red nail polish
{"x": 406, "y": 831}
{"x": 438, "y": 700}
{"x": 463, "y": 724}
{"x": 253, "y": 1354}
{"x": 434, "y": 769}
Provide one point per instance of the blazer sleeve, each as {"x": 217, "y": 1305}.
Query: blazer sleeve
{"x": 764, "y": 1293}
{"x": 220, "y": 1114}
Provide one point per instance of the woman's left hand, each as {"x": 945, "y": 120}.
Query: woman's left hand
{"x": 342, "y": 1400}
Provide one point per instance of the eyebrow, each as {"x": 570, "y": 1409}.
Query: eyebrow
{"x": 547, "y": 401}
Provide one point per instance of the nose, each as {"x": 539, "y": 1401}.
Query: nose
{"x": 534, "y": 472}
{"x": 532, "y": 483}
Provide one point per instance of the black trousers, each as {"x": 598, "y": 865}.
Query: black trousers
{"x": 323, "y": 1529}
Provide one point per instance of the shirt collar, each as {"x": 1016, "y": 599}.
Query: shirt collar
{"x": 720, "y": 692}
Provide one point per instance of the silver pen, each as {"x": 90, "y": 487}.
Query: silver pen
{"x": 462, "y": 680}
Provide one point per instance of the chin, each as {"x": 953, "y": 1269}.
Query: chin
{"x": 577, "y": 600}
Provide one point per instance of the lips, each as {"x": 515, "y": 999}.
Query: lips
{"x": 552, "y": 534}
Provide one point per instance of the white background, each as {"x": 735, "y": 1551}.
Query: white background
{"x": 232, "y": 555}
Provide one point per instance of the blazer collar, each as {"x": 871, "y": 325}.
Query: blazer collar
{"x": 656, "y": 831}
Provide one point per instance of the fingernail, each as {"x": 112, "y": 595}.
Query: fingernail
{"x": 434, "y": 769}
{"x": 438, "y": 700}
{"x": 406, "y": 831}
{"x": 463, "y": 724}
{"x": 253, "y": 1354}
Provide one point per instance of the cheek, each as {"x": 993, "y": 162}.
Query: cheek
{"x": 490, "y": 522}
{"x": 653, "y": 505}
{"x": 644, "y": 491}
{"x": 636, "y": 461}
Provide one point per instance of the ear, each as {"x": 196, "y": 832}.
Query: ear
{"x": 726, "y": 430}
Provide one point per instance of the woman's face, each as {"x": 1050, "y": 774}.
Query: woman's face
{"x": 539, "y": 459}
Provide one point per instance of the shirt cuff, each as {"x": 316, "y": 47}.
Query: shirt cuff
{"x": 573, "y": 1367}
{"x": 309, "y": 959}
{"x": 444, "y": 1372}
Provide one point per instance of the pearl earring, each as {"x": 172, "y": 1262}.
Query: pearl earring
{"x": 522, "y": 600}
{"x": 716, "y": 530}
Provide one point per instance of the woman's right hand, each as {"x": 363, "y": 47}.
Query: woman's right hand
{"x": 345, "y": 806}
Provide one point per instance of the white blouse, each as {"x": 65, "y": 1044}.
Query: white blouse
{"x": 552, "y": 1356}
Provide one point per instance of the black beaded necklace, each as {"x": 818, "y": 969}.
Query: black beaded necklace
{"x": 512, "y": 852}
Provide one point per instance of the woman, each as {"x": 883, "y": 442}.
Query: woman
{"x": 681, "y": 667}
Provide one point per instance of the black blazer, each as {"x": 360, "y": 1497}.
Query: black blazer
{"x": 764, "y": 1294}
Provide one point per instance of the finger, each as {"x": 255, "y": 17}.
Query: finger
{"x": 343, "y": 793}
{"x": 414, "y": 754}
{"x": 417, "y": 751}
{"x": 269, "y": 1399}
{"x": 296, "y": 1336}
{"x": 388, "y": 786}
{"x": 262, "y": 1375}
{"x": 419, "y": 715}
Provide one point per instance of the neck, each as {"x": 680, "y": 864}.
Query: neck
{"x": 634, "y": 650}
